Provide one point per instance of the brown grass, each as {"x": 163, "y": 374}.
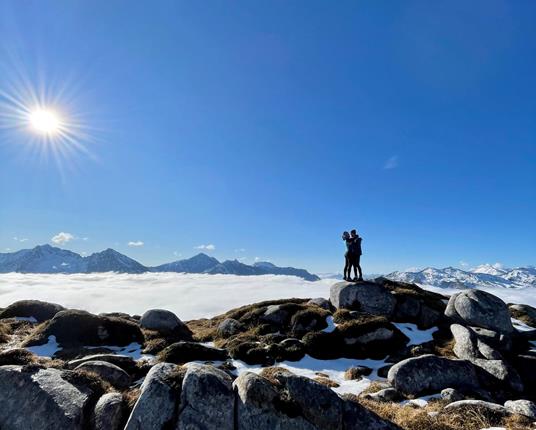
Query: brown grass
{"x": 5, "y": 331}
{"x": 326, "y": 381}
{"x": 130, "y": 397}
{"x": 415, "y": 418}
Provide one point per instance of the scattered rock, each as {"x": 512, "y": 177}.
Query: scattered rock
{"x": 74, "y": 327}
{"x": 367, "y": 297}
{"x": 128, "y": 364}
{"x": 481, "y": 309}
{"x": 481, "y": 405}
{"x": 430, "y": 374}
{"x": 498, "y": 372}
{"x": 357, "y": 372}
{"x": 276, "y": 314}
{"x": 229, "y": 327}
{"x": 41, "y": 311}
{"x": 357, "y": 417}
{"x": 521, "y": 407}
{"x": 207, "y": 399}
{"x": 450, "y": 395}
{"x": 258, "y": 406}
{"x": 183, "y": 352}
{"x": 320, "y": 302}
{"x": 109, "y": 412}
{"x": 158, "y": 400}
{"x": 306, "y": 320}
{"x": 34, "y": 399}
{"x": 385, "y": 395}
{"x": 107, "y": 371}
{"x": 162, "y": 321}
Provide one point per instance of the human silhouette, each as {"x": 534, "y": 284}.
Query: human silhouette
{"x": 352, "y": 256}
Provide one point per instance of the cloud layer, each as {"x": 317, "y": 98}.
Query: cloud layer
{"x": 190, "y": 296}
{"x": 209, "y": 247}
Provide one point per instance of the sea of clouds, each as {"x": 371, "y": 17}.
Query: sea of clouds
{"x": 190, "y": 296}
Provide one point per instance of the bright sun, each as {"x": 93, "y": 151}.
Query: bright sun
{"x": 45, "y": 121}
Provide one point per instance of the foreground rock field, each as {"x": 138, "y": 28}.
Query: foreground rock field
{"x": 411, "y": 359}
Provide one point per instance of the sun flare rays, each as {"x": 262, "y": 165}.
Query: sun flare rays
{"x": 42, "y": 122}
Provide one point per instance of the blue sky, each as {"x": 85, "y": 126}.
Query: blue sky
{"x": 265, "y": 129}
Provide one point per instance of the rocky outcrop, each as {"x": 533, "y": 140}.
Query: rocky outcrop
{"x": 367, "y": 297}
{"x": 109, "y": 372}
{"x": 481, "y": 309}
{"x": 109, "y": 412}
{"x": 521, "y": 407}
{"x": 75, "y": 328}
{"x": 162, "y": 320}
{"x": 35, "y": 399}
{"x": 156, "y": 407}
{"x": 431, "y": 374}
{"x": 229, "y": 327}
{"x": 184, "y": 352}
{"x": 207, "y": 399}
{"x": 39, "y": 311}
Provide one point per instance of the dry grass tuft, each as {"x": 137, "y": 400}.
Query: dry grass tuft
{"x": 130, "y": 397}
{"x": 434, "y": 417}
{"x": 326, "y": 381}
{"x": 5, "y": 331}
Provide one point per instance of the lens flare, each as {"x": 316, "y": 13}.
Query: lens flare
{"x": 45, "y": 121}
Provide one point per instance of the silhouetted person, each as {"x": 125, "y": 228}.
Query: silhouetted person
{"x": 347, "y": 257}
{"x": 355, "y": 253}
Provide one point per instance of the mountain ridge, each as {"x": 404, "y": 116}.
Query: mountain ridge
{"x": 478, "y": 277}
{"x": 50, "y": 259}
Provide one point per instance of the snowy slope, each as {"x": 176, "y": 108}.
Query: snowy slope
{"x": 485, "y": 276}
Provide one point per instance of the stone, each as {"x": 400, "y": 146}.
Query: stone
{"x": 367, "y": 297}
{"x": 430, "y": 374}
{"x": 320, "y": 302}
{"x": 319, "y": 404}
{"x": 521, "y": 407}
{"x": 35, "y": 399}
{"x": 158, "y": 401}
{"x": 109, "y": 412}
{"x": 125, "y": 362}
{"x": 465, "y": 342}
{"x": 429, "y": 317}
{"x": 407, "y": 308}
{"x": 161, "y": 320}
{"x": 74, "y": 328}
{"x": 259, "y": 406}
{"x": 525, "y": 313}
{"x": 385, "y": 395}
{"x": 207, "y": 399}
{"x": 481, "y": 309}
{"x": 40, "y": 311}
{"x": 275, "y": 314}
{"x": 499, "y": 371}
{"x": 184, "y": 352}
{"x": 357, "y": 372}
{"x": 107, "y": 371}
{"x": 483, "y": 406}
{"x": 229, "y": 327}
{"x": 450, "y": 395}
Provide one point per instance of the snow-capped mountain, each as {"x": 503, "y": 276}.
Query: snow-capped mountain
{"x": 479, "y": 277}
{"x": 49, "y": 259}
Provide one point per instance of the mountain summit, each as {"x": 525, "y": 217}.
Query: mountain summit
{"x": 49, "y": 259}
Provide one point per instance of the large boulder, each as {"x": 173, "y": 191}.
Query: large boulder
{"x": 162, "y": 320}
{"x": 207, "y": 399}
{"x": 76, "y": 328}
{"x": 107, "y": 371}
{"x": 35, "y": 399}
{"x": 259, "y": 406}
{"x": 156, "y": 407}
{"x": 109, "y": 412}
{"x": 40, "y": 311}
{"x": 481, "y": 309}
{"x": 184, "y": 352}
{"x": 431, "y": 374}
{"x": 521, "y": 407}
{"x": 481, "y": 406}
{"x": 367, "y": 297}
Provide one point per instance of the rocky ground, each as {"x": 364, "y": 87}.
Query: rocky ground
{"x": 406, "y": 358}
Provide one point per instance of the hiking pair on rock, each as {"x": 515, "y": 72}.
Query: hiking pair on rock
{"x": 352, "y": 256}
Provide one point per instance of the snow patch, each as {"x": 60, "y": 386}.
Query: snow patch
{"x": 46, "y": 350}
{"x": 415, "y": 335}
{"x": 331, "y": 325}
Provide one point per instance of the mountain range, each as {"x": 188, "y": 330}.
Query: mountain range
{"x": 49, "y": 259}
{"x": 485, "y": 275}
